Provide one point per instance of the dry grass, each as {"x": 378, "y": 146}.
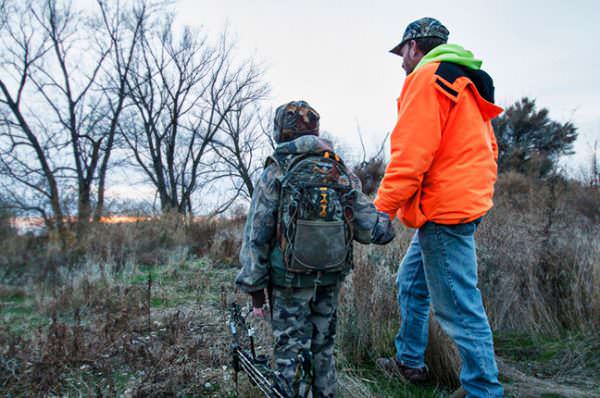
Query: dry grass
{"x": 539, "y": 258}
{"x": 369, "y": 318}
{"x": 95, "y": 325}
{"x": 116, "y": 246}
{"x": 539, "y": 268}
{"x": 138, "y": 334}
{"x": 129, "y": 311}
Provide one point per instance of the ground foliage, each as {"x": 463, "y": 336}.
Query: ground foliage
{"x": 137, "y": 309}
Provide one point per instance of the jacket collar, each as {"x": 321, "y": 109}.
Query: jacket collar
{"x": 304, "y": 144}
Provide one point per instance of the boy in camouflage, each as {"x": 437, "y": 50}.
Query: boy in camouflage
{"x": 303, "y": 304}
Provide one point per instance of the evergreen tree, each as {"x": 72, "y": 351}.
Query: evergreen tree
{"x": 529, "y": 141}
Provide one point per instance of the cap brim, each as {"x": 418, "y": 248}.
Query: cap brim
{"x": 396, "y": 50}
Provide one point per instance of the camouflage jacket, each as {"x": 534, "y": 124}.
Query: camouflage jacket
{"x": 260, "y": 256}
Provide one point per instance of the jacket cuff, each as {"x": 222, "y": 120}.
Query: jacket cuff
{"x": 249, "y": 283}
{"x": 391, "y": 214}
{"x": 249, "y": 289}
{"x": 379, "y": 207}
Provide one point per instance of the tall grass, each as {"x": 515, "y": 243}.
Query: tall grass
{"x": 369, "y": 315}
{"x": 540, "y": 257}
{"x": 539, "y": 272}
{"x": 539, "y": 268}
{"x": 146, "y": 242}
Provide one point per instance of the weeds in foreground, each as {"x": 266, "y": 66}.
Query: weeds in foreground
{"x": 134, "y": 314}
{"x": 111, "y": 337}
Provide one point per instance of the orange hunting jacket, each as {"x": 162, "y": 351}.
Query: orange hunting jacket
{"x": 443, "y": 150}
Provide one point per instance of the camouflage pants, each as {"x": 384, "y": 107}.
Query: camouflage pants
{"x": 304, "y": 321}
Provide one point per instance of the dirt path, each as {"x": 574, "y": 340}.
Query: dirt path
{"x": 526, "y": 386}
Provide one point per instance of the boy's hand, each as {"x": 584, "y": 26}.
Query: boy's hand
{"x": 258, "y": 312}
{"x": 383, "y": 232}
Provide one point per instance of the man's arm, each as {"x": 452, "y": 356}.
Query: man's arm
{"x": 259, "y": 233}
{"x": 494, "y": 142}
{"x": 416, "y": 137}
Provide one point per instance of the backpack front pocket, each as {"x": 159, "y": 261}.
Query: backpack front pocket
{"x": 319, "y": 246}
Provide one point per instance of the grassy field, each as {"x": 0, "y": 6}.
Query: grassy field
{"x": 160, "y": 330}
{"x": 139, "y": 309}
{"x": 144, "y": 331}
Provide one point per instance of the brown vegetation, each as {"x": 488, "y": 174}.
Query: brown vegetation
{"x": 539, "y": 270}
{"x": 161, "y": 353}
{"x": 129, "y": 298}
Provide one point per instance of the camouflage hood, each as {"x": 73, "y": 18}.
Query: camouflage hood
{"x": 295, "y": 119}
{"x": 304, "y": 144}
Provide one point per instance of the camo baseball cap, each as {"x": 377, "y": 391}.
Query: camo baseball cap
{"x": 295, "y": 119}
{"x": 421, "y": 28}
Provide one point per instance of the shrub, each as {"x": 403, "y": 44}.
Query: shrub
{"x": 539, "y": 258}
{"x": 370, "y": 173}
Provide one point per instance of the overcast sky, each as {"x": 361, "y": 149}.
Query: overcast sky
{"x": 334, "y": 54}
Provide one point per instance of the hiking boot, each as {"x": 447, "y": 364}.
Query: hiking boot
{"x": 460, "y": 393}
{"x": 394, "y": 369}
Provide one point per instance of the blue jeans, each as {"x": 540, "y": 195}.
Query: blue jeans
{"x": 440, "y": 267}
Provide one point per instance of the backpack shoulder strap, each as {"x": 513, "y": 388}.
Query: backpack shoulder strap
{"x": 338, "y": 161}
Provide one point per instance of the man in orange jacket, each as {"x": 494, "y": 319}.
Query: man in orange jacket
{"x": 440, "y": 180}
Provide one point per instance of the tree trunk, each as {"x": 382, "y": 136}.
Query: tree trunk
{"x": 84, "y": 209}
{"x": 46, "y": 170}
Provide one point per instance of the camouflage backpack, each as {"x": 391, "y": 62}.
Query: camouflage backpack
{"x": 315, "y": 214}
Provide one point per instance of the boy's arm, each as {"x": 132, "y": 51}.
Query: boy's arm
{"x": 259, "y": 233}
{"x": 370, "y": 225}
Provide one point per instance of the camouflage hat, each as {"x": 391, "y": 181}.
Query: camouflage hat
{"x": 421, "y": 28}
{"x": 295, "y": 119}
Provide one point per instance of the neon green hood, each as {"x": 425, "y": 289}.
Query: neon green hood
{"x": 450, "y": 53}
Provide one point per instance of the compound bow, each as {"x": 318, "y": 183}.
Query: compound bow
{"x": 257, "y": 367}
{"x": 245, "y": 359}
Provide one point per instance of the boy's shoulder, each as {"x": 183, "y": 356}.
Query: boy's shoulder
{"x": 277, "y": 163}
{"x": 275, "y": 160}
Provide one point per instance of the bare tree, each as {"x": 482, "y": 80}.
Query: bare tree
{"x": 65, "y": 88}
{"x": 3, "y": 13}
{"x": 123, "y": 28}
{"x": 184, "y": 90}
{"x": 241, "y": 147}
{"x": 595, "y": 167}
{"x": 27, "y": 145}
{"x": 70, "y": 81}
{"x": 67, "y": 83}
